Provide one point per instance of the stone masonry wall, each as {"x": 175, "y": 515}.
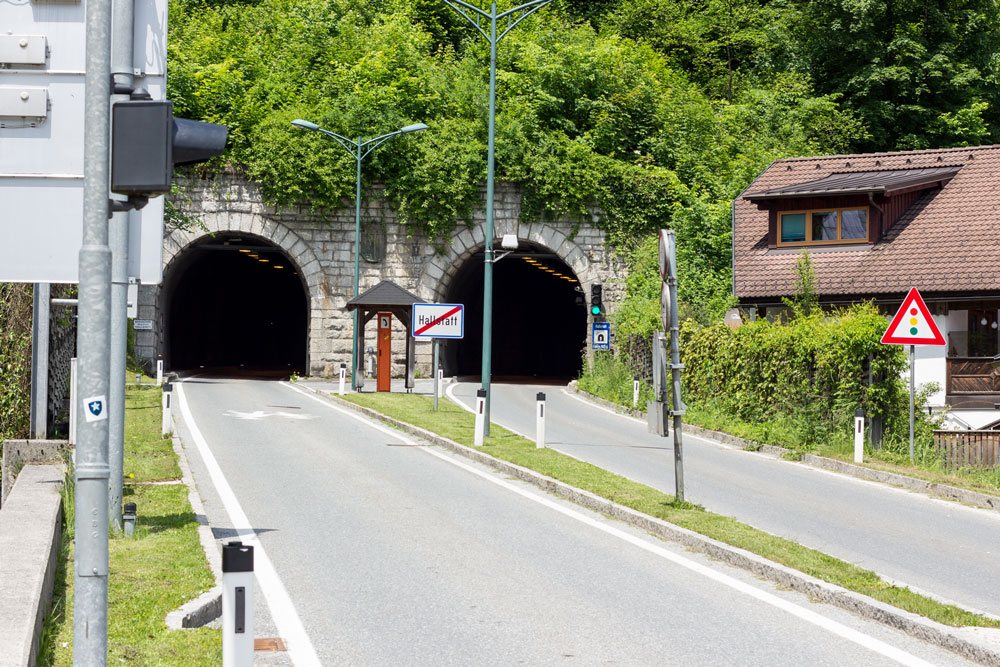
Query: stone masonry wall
{"x": 321, "y": 245}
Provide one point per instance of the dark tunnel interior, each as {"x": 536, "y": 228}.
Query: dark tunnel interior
{"x": 539, "y": 318}
{"x": 236, "y": 303}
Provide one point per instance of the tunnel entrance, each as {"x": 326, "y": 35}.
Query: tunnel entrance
{"x": 539, "y": 318}
{"x": 235, "y": 302}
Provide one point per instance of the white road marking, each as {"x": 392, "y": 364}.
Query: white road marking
{"x": 286, "y": 619}
{"x": 834, "y": 627}
{"x": 260, "y": 414}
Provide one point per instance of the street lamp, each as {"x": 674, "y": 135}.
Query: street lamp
{"x": 360, "y": 149}
{"x": 486, "y": 24}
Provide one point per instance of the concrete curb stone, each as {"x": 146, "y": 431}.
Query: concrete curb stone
{"x": 914, "y": 625}
{"x": 974, "y": 498}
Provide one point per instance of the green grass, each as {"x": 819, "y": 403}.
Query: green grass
{"x": 152, "y": 574}
{"x": 456, "y": 424}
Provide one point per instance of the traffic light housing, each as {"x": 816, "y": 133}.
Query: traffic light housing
{"x": 597, "y": 300}
{"x": 147, "y": 141}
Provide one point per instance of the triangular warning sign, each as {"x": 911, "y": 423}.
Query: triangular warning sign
{"x": 913, "y": 324}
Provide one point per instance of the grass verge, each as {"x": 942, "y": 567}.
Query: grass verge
{"x": 152, "y": 574}
{"x": 454, "y": 423}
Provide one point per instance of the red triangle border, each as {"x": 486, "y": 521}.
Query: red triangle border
{"x": 913, "y": 297}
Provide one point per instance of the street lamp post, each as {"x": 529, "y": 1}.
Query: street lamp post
{"x": 487, "y": 25}
{"x": 360, "y": 148}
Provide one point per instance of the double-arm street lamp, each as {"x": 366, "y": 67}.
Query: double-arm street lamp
{"x": 488, "y": 24}
{"x": 360, "y": 148}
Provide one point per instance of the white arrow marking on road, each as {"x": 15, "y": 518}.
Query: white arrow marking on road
{"x": 260, "y": 414}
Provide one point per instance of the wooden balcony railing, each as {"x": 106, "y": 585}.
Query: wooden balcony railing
{"x": 973, "y": 375}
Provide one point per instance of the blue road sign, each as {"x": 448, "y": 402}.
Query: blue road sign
{"x": 600, "y": 336}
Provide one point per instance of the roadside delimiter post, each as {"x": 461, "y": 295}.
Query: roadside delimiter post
{"x": 859, "y": 436}
{"x": 480, "y": 416}
{"x": 540, "y": 420}
{"x": 343, "y": 377}
{"x": 237, "y": 605}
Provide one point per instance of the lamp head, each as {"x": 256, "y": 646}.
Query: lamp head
{"x": 305, "y": 124}
{"x": 509, "y": 242}
{"x": 416, "y": 127}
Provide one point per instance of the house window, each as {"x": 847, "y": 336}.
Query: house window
{"x": 842, "y": 225}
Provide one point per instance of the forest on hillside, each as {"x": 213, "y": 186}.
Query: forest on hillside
{"x": 657, "y": 112}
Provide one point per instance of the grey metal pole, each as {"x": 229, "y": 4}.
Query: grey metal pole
{"x": 90, "y": 595}
{"x": 355, "y": 353}
{"x": 675, "y": 367}
{"x": 40, "y": 325}
{"x": 487, "y": 369}
{"x": 123, "y": 16}
{"x": 913, "y": 358}
{"x": 434, "y": 369}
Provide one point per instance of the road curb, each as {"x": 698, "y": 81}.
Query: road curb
{"x": 974, "y": 498}
{"x": 208, "y": 606}
{"x": 912, "y": 624}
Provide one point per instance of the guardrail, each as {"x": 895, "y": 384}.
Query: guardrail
{"x": 968, "y": 448}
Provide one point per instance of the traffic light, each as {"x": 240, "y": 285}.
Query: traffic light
{"x": 147, "y": 141}
{"x": 596, "y": 300}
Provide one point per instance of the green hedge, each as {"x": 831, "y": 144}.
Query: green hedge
{"x": 809, "y": 373}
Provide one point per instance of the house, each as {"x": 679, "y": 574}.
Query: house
{"x": 876, "y": 225}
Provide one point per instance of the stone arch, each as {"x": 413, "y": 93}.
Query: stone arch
{"x": 297, "y": 249}
{"x": 435, "y": 280}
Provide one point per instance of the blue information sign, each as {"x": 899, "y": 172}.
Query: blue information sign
{"x": 600, "y": 336}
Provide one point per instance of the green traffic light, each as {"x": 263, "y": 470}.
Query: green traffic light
{"x": 595, "y": 310}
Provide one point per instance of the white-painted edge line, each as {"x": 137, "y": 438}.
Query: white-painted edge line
{"x": 286, "y": 618}
{"x": 834, "y": 627}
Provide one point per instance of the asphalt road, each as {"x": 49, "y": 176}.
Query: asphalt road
{"x": 931, "y": 545}
{"x": 396, "y": 553}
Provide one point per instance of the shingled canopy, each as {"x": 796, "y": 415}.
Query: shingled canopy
{"x": 389, "y": 297}
{"x": 884, "y": 182}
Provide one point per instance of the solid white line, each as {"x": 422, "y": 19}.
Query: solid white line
{"x": 286, "y": 619}
{"x": 834, "y": 627}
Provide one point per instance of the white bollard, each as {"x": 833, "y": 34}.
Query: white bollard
{"x": 237, "y": 605}
{"x": 440, "y": 377}
{"x": 72, "y": 401}
{"x": 635, "y": 394}
{"x": 166, "y": 426}
{"x": 859, "y": 436}
{"x": 480, "y": 417}
{"x": 540, "y": 420}
{"x": 343, "y": 377}
{"x": 159, "y": 372}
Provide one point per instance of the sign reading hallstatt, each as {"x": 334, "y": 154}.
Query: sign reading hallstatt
{"x": 913, "y": 324}
{"x": 438, "y": 320}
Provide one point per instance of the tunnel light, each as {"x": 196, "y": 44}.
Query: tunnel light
{"x": 264, "y": 261}
{"x": 279, "y": 266}
{"x": 254, "y": 255}
{"x": 245, "y": 250}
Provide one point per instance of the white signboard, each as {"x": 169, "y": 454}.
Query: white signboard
{"x": 438, "y": 320}
{"x": 41, "y": 157}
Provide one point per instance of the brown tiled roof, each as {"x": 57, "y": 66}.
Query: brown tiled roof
{"x": 947, "y": 241}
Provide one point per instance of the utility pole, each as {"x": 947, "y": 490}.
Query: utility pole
{"x": 487, "y": 25}
{"x": 90, "y": 596}
{"x": 123, "y": 84}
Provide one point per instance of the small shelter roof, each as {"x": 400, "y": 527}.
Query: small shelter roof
{"x": 387, "y": 295}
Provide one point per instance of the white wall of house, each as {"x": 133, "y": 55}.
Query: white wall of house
{"x": 932, "y": 364}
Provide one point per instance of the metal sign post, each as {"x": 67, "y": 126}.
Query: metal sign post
{"x": 913, "y": 325}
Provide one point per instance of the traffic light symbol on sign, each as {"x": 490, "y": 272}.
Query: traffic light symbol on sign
{"x": 596, "y": 300}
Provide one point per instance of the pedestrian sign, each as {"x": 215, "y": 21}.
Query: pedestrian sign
{"x": 913, "y": 324}
{"x": 600, "y": 336}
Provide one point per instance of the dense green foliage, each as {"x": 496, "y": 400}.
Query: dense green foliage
{"x": 15, "y": 359}
{"x": 656, "y": 113}
{"x": 810, "y": 374}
